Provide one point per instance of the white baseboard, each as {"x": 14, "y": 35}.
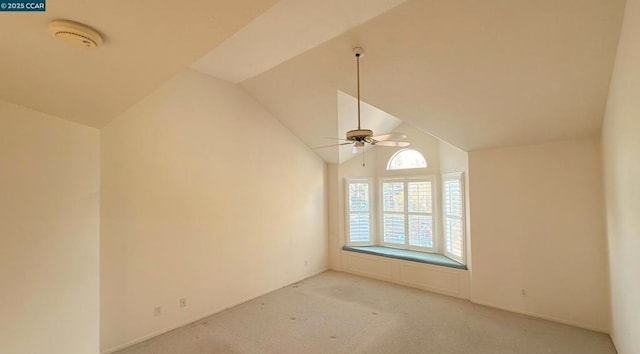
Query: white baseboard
{"x": 540, "y": 316}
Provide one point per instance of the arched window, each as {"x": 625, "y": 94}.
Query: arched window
{"x": 405, "y": 159}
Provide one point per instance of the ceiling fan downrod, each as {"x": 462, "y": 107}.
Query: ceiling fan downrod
{"x": 358, "y": 52}
{"x": 359, "y": 135}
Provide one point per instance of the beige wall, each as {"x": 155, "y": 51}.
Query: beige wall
{"x": 537, "y": 222}
{"x": 49, "y": 234}
{"x": 206, "y": 197}
{"x": 334, "y": 219}
{"x": 621, "y": 152}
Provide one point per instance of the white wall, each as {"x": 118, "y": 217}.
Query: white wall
{"x": 537, "y": 222}
{"x": 205, "y": 196}
{"x": 452, "y": 159}
{"x": 49, "y": 234}
{"x": 621, "y": 153}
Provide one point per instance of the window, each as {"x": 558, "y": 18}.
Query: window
{"x": 407, "y": 213}
{"x": 453, "y": 212}
{"x": 359, "y": 211}
{"x": 406, "y": 159}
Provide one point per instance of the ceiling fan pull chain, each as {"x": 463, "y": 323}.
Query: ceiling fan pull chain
{"x": 363, "y": 156}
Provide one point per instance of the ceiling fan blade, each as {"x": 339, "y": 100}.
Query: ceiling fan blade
{"x": 392, "y": 143}
{"x": 328, "y": 137}
{"x": 332, "y": 145}
{"x": 391, "y": 136}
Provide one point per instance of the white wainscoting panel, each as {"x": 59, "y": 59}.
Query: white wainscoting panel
{"x": 438, "y": 279}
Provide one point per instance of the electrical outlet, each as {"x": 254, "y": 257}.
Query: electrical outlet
{"x": 306, "y": 262}
{"x": 157, "y": 311}
{"x": 523, "y": 292}
{"x": 183, "y": 302}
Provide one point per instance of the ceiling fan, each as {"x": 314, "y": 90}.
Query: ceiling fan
{"x": 360, "y": 137}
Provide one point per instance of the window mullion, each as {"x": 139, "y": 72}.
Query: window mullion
{"x": 406, "y": 213}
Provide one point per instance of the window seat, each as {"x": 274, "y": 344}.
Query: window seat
{"x": 407, "y": 255}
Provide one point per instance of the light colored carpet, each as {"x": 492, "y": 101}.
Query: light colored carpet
{"x": 341, "y": 313}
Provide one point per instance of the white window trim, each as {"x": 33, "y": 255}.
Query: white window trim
{"x": 455, "y": 176}
{"x": 347, "y": 223}
{"x": 406, "y": 213}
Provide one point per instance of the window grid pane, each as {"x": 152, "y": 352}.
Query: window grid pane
{"x": 358, "y": 197}
{"x": 419, "y": 197}
{"x": 453, "y": 236}
{"x": 393, "y": 225}
{"x": 421, "y": 230}
{"x": 359, "y": 229}
{"x": 453, "y": 198}
{"x": 393, "y": 195}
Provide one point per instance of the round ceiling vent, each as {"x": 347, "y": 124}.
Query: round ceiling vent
{"x": 75, "y": 34}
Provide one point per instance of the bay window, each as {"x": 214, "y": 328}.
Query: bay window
{"x": 407, "y": 212}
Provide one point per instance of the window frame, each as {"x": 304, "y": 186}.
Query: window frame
{"x": 434, "y": 214}
{"x": 347, "y": 223}
{"x": 459, "y": 177}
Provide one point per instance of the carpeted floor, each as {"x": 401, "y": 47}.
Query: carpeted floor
{"x": 341, "y": 313}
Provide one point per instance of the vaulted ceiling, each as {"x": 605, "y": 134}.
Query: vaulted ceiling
{"x": 146, "y": 43}
{"x": 478, "y": 74}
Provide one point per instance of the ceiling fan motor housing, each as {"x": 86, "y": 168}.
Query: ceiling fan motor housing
{"x": 359, "y": 134}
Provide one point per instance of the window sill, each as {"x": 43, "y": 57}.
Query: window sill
{"x": 407, "y": 255}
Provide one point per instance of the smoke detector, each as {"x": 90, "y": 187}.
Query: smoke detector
{"x": 75, "y": 34}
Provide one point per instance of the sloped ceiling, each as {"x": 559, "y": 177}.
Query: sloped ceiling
{"x": 289, "y": 28}
{"x": 146, "y": 42}
{"x": 477, "y": 74}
